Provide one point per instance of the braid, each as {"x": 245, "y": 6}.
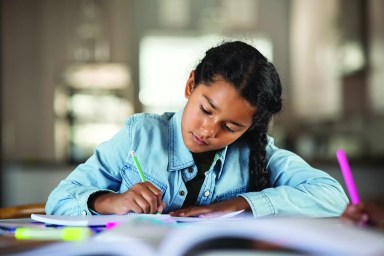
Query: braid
{"x": 257, "y": 140}
{"x": 259, "y": 176}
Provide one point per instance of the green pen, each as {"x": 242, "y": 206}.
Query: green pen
{"x": 138, "y": 167}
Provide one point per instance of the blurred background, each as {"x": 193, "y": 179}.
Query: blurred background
{"x": 72, "y": 71}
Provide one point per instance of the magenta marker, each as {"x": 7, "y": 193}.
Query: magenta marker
{"x": 111, "y": 225}
{"x": 348, "y": 178}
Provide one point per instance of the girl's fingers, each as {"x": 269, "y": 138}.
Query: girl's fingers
{"x": 144, "y": 197}
{"x": 158, "y": 194}
{"x": 142, "y": 202}
{"x": 153, "y": 188}
{"x": 136, "y": 208}
{"x": 161, "y": 207}
{"x": 153, "y": 201}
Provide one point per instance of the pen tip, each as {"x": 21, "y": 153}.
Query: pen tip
{"x": 132, "y": 153}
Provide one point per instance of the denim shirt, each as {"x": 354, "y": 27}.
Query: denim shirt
{"x": 296, "y": 187}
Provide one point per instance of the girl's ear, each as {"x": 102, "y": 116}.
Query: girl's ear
{"x": 190, "y": 84}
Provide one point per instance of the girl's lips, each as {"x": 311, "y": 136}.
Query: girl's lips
{"x": 198, "y": 140}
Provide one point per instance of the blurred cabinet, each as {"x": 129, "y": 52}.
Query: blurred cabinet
{"x": 90, "y": 107}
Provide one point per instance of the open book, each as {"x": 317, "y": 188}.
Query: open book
{"x": 148, "y": 236}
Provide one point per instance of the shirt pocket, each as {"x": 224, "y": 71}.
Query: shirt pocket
{"x": 130, "y": 177}
{"x": 230, "y": 194}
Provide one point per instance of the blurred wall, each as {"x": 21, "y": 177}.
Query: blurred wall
{"x": 38, "y": 43}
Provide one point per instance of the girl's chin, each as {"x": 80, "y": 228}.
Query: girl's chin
{"x": 195, "y": 148}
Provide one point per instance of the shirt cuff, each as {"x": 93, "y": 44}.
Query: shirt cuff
{"x": 259, "y": 203}
{"x": 84, "y": 209}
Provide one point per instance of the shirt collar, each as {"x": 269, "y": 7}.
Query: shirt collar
{"x": 179, "y": 155}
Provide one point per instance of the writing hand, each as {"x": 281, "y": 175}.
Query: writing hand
{"x": 355, "y": 214}
{"x": 365, "y": 214}
{"x": 213, "y": 210}
{"x": 143, "y": 197}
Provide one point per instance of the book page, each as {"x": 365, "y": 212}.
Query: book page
{"x": 308, "y": 235}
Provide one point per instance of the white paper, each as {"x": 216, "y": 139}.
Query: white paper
{"x": 100, "y": 220}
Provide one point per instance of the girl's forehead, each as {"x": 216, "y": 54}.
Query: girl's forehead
{"x": 224, "y": 97}
{"x": 222, "y": 91}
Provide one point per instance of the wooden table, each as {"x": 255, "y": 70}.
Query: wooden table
{"x": 8, "y": 243}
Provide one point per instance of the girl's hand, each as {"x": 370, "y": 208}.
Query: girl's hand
{"x": 365, "y": 214}
{"x": 213, "y": 210}
{"x": 143, "y": 197}
{"x": 355, "y": 214}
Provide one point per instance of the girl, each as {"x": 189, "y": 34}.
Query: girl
{"x": 212, "y": 157}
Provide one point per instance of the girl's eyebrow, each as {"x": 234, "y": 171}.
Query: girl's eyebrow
{"x": 217, "y": 108}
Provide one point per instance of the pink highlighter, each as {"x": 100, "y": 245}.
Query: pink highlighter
{"x": 348, "y": 178}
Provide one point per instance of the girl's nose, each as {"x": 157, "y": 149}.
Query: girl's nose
{"x": 209, "y": 128}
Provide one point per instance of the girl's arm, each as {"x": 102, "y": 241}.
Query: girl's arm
{"x": 101, "y": 172}
{"x": 214, "y": 210}
{"x": 297, "y": 189}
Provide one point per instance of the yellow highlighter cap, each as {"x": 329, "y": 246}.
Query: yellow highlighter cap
{"x": 76, "y": 233}
{"x": 21, "y": 233}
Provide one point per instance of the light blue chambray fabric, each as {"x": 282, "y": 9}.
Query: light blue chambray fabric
{"x": 297, "y": 188}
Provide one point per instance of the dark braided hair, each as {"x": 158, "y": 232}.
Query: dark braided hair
{"x": 257, "y": 81}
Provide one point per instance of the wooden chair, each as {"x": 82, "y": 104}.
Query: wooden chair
{"x": 21, "y": 211}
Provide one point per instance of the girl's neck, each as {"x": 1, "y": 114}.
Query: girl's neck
{"x": 204, "y": 158}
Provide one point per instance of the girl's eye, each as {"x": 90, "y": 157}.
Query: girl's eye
{"x": 203, "y": 110}
{"x": 227, "y": 128}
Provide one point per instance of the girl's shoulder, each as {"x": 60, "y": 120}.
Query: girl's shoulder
{"x": 151, "y": 131}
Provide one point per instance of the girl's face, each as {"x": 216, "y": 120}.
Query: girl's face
{"x": 214, "y": 116}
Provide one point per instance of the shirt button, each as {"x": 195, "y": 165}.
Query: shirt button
{"x": 84, "y": 213}
{"x": 182, "y": 193}
{"x": 206, "y": 193}
{"x": 190, "y": 169}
